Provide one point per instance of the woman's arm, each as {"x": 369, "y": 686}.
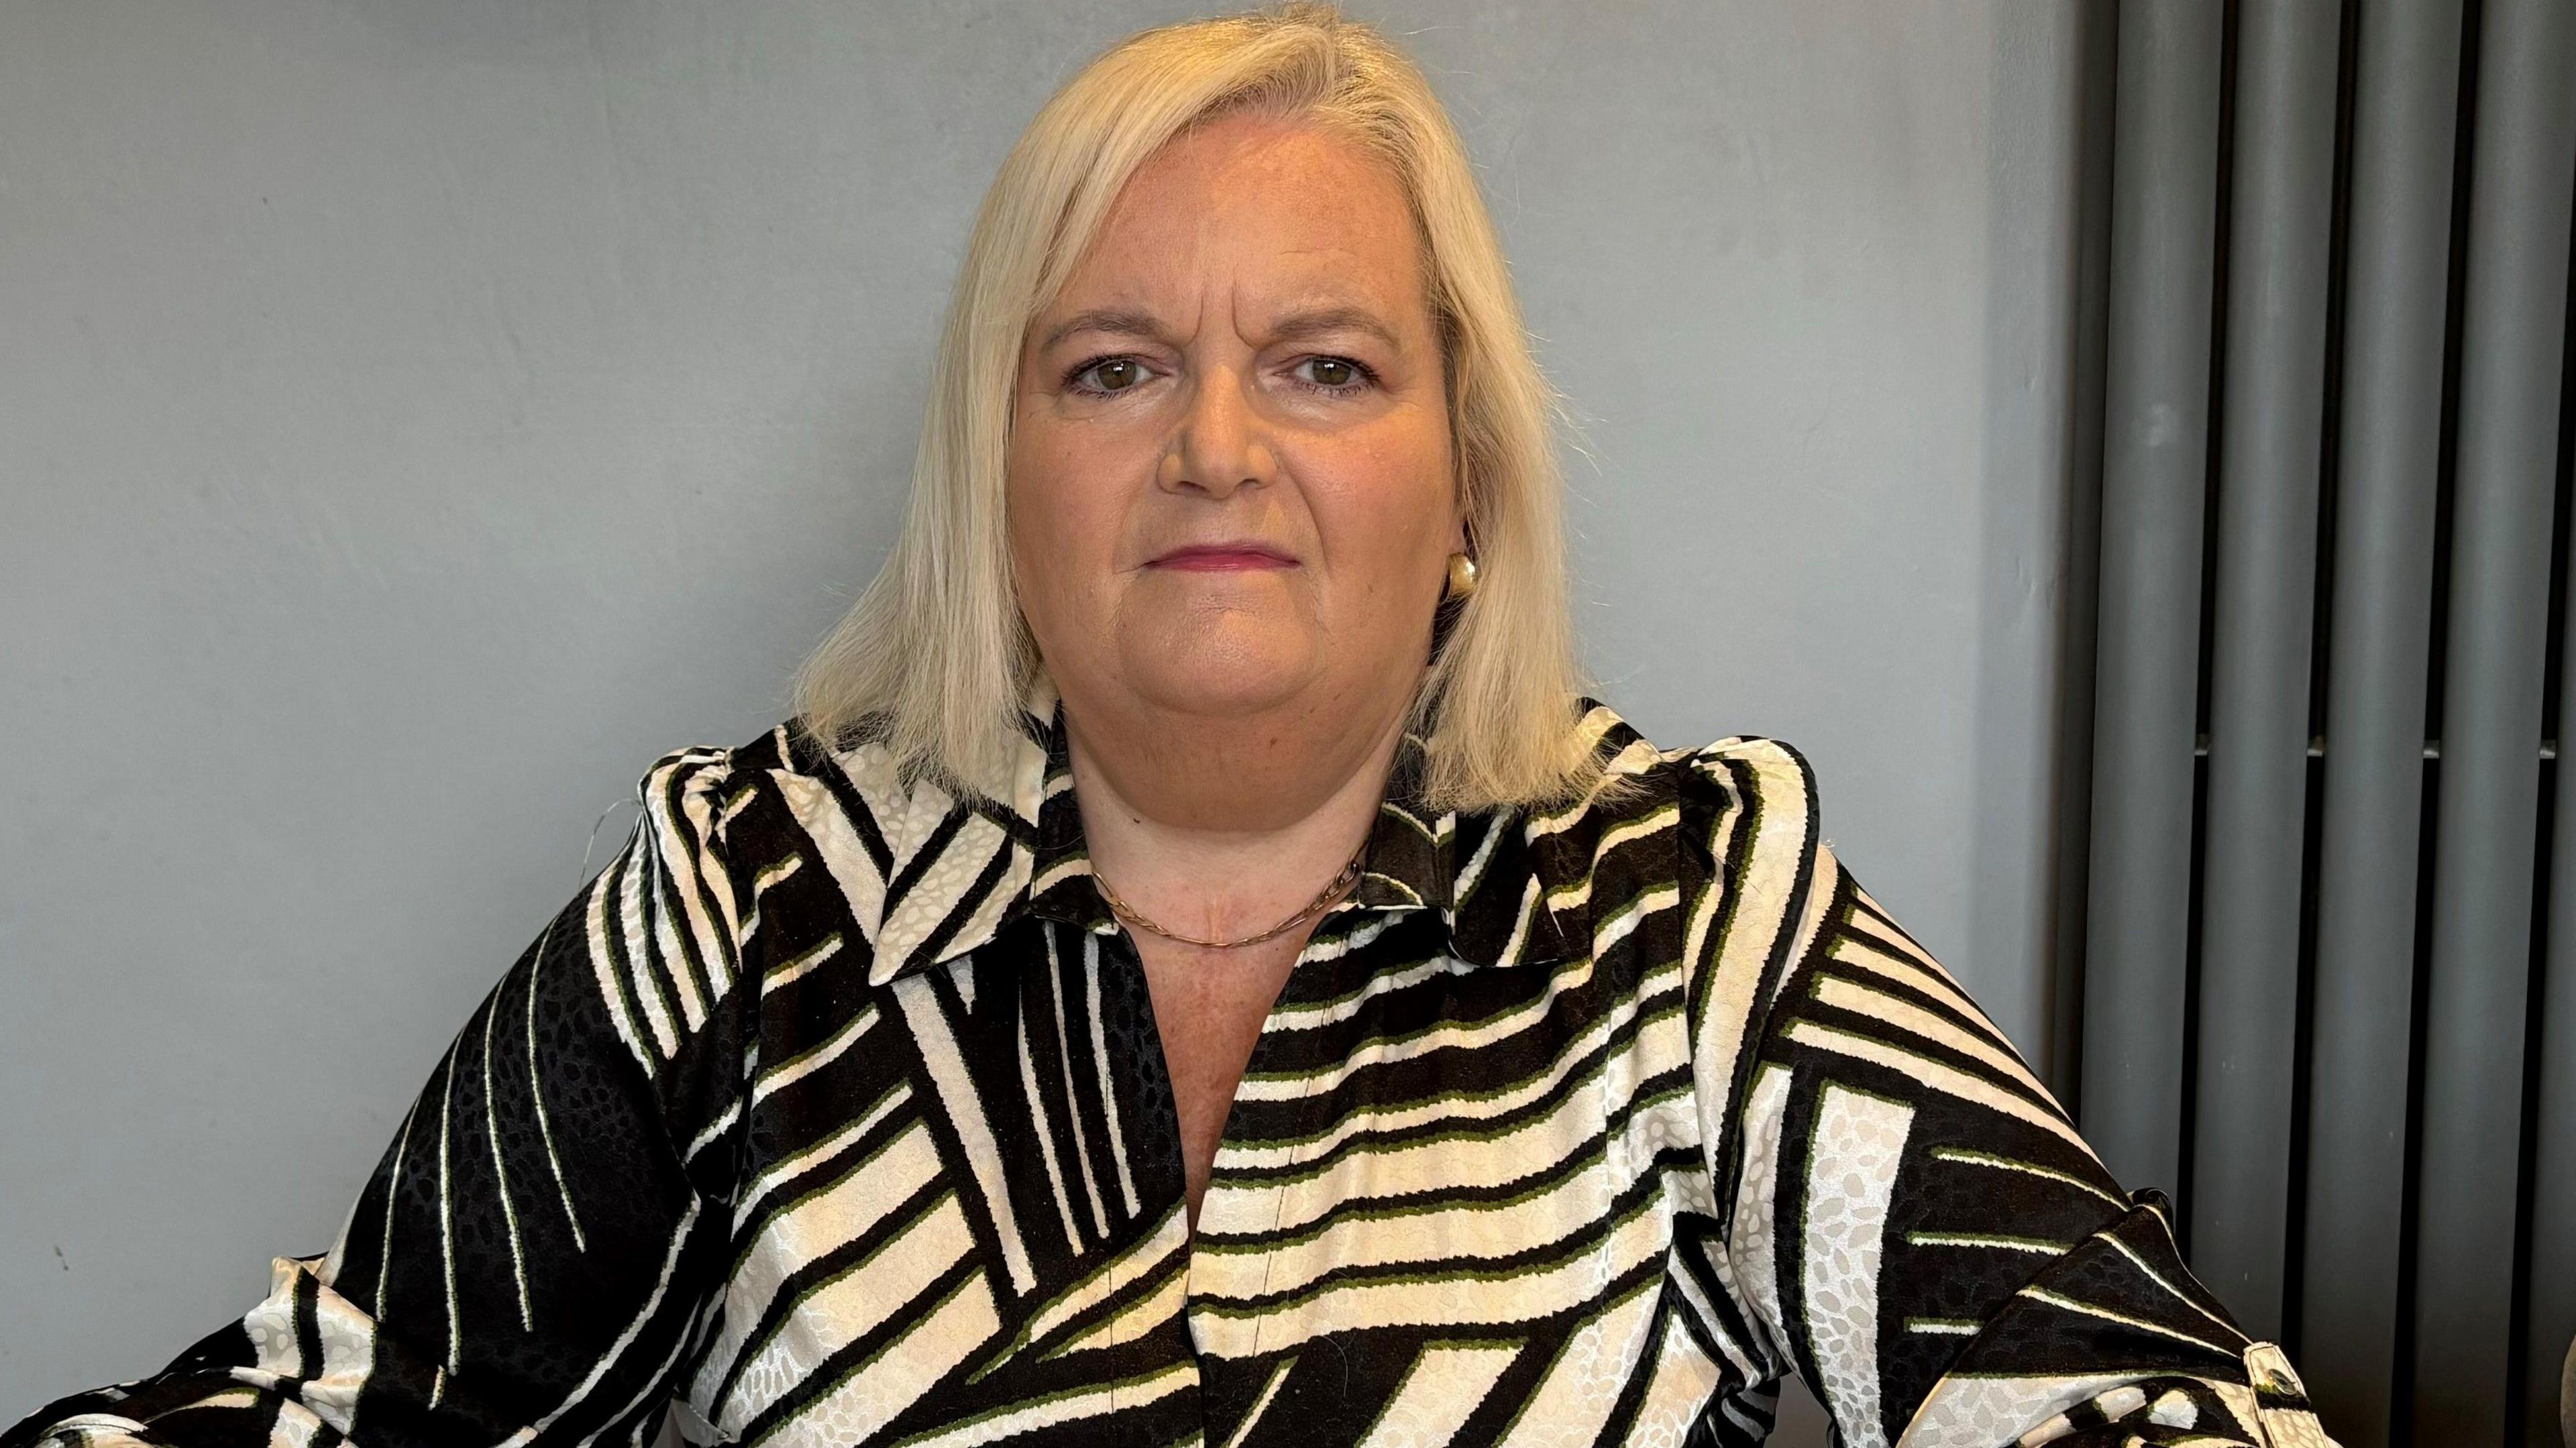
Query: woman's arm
{"x": 1911, "y": 1218}
{"x": 532, "y": 1252}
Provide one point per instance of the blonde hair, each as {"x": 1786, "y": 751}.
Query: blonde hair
{"x": 935, "y": 660}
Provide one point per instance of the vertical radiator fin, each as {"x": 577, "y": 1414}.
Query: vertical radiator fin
{"x": 2156, "y": 392}
{"x": 2396, "y": 311}
{"x": 2280, "y": 226}
{"x": 2514, "y": 318}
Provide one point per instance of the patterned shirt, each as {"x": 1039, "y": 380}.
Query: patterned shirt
{"x": 832, "y": 1111}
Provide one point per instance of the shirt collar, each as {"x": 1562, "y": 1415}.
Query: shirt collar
{"x": 1510, "y": 886}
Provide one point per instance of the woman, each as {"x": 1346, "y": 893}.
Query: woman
{"x": 1196, "y": 969}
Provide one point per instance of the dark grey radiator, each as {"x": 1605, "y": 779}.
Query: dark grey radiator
{"x": 2327, "y": 899}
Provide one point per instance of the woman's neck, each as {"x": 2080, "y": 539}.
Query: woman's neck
{"x": 1222, "y": 830}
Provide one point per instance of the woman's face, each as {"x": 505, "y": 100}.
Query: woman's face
{"x": 1230, "y": 482}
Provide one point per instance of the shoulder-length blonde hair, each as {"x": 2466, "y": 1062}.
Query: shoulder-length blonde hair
{"x": 935, "y": 661}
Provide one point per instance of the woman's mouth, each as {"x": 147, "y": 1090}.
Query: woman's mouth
{"x": 1222, "y": 558}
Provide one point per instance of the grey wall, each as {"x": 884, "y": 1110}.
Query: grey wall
{"x": 416, "y": 417}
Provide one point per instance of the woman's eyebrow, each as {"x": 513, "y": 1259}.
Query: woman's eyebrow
{"x": 1118, "y": 320}
{"x": 1297, "y": 326}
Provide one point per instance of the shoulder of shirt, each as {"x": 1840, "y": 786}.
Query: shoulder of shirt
{"x": 1766, "y": 780}
{"x": 1692, "y": 789}
{"x": 1749, "y": 763}
{"x": 704, "y": 787}
{"x": 1741, "y": 768}
{"x": 861, "y": 783}
{"x": 781, "y": 748}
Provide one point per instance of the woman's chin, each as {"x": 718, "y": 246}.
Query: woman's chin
{"x": 1231, "y": 683}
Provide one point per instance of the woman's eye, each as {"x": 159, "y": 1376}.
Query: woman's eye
{"x": 1335, "y": 374}
{"x": 1108, "y": 374}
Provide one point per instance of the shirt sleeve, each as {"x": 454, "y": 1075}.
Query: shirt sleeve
{"x": 1909, "y": 1217}
{"x": 531, "y": 1253}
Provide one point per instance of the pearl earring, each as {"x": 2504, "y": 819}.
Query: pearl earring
{"x": 1462, "y": 577}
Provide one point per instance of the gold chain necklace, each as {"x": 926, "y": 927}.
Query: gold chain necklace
{"x": 1128, "y": 913}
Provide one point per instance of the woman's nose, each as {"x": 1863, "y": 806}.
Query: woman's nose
{"x": 1222, "y": 442}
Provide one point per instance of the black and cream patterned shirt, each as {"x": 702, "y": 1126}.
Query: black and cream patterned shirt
{"x": 832, "y": 1112}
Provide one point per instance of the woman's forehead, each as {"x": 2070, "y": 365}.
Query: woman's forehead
{"x": 1277, "y": 226}
{"x": 1292, "y": 178}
